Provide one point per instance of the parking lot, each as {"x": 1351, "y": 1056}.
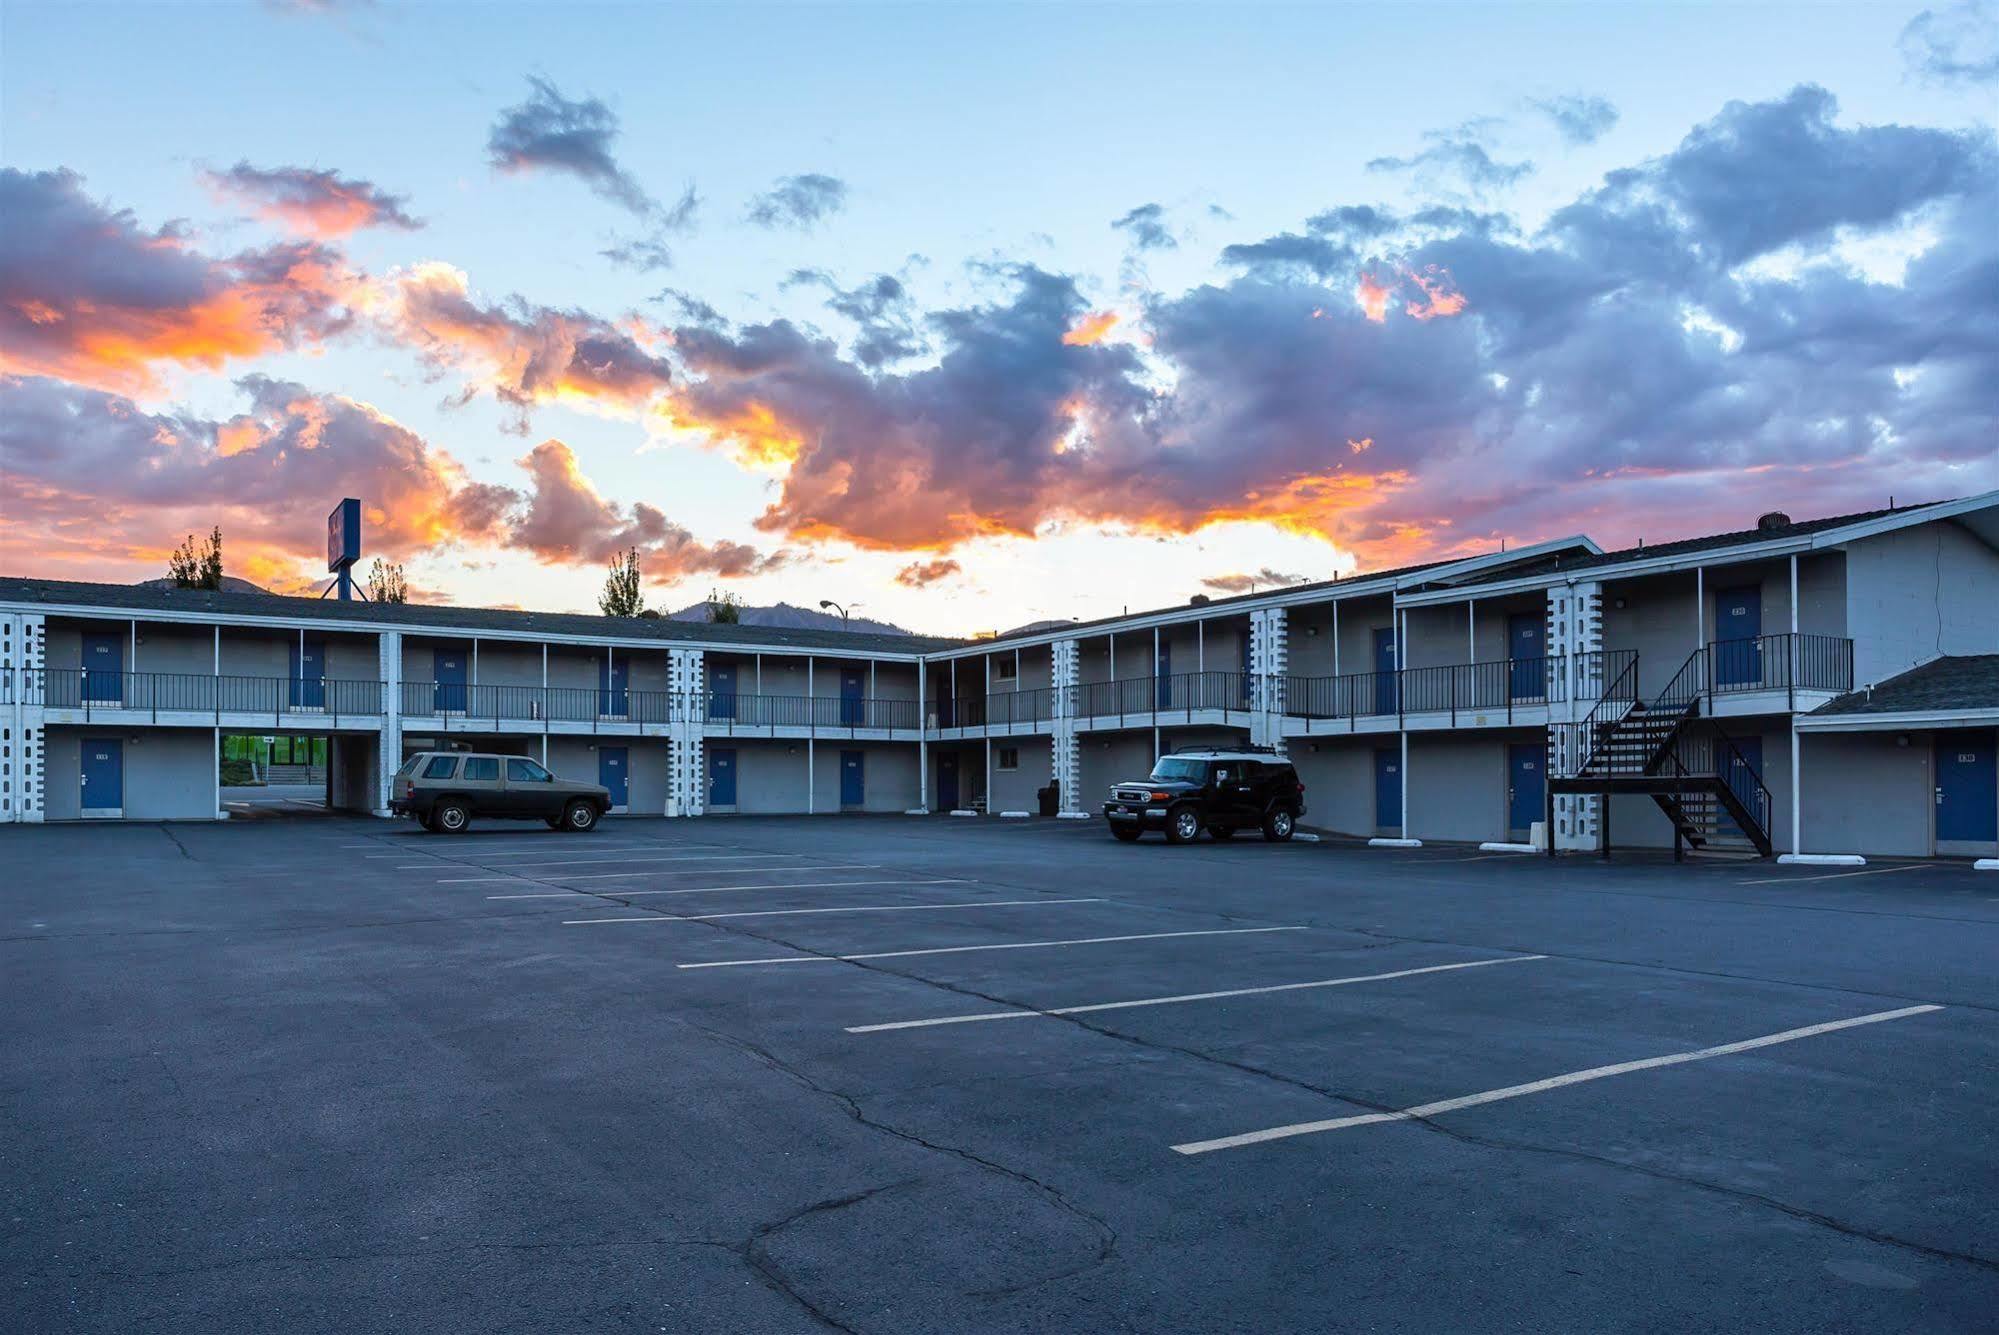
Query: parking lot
{"x": 892, "y": 1074}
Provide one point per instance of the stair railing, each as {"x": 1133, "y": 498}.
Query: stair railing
{"x": 1594, "y": 731}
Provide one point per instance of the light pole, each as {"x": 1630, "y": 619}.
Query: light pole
{"x": 825, "y": 603}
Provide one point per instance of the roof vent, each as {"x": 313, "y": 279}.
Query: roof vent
{"x": 1776, "y": 519}
{"x": 1198, "y": 600}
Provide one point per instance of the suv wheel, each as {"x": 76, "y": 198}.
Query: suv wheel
{"x": 1277, "y": 826}
{"x": 1183, "y": 825}
{"x": 580, "y": 817}
{"x": 450, "y": 818}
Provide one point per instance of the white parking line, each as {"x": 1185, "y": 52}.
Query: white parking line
{"x": 1427, "y": 1110}
{"x": 583, "y": 862}
{"x": 1831, "y": 876}
{"x": 963, "y": 950}
{"x": 628, "y": 875}
{"x": 705, "y": 889}
{"x": 978, "y": 1016}
{"x": 860, "y": 908}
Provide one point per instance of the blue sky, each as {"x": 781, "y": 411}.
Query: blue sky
{"x": 972, "y": 140}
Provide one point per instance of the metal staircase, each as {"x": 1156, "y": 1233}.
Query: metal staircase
{"x": 1668, "y": 750}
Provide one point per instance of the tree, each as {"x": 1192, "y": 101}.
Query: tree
{"x": 620, "y": 597}
{"x": 386, "y": 583}
{"x": 192, "y": 567}
{"x": 724, "y": 609}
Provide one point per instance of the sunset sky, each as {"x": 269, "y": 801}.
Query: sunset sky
{"x": 974, "y": 315}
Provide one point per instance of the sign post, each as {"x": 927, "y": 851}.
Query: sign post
{"x": 343, "y": 545}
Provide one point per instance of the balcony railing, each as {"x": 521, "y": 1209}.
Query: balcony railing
{"x": 1787, "y": 662}
{"x": 1163, "y": 696}
{"x": 95, "y": 692}
{"x": 817, "y": 712}
{"x": 1499, "y": 685}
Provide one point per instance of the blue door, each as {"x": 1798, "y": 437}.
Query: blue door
{"x": 1162, "y": 674}
{"x": 612, "y": 675}
{"x": 1526, "y": 646}
{"x": 853, "y": 696}
{"x": 450, "y": 674}
{"x": 947, "y": 781}
{"x": 103, "y": 667}
{"x": 721, "y": 776}
{"x": 1738, "y": 621}
{"x": 1743, "y": 770}
{"x": 1968, "y": 785}
{"x": 308, "y": 685}
{"x": 722, "y": 690}
{"x": 853, "y": 778}
{"x": 1385, "y": 695}
{"x": 1526, "y": 785}
{"x": 103, "y": 774}
{"x": 614, "y": 765}
{"x": 1388, "y": 789}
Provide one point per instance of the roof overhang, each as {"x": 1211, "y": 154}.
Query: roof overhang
{"x": 1978, "y": 514}
{"x": 1914, "y": 720}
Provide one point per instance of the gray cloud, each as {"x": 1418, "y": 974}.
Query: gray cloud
{"x": 1456, "y": 154}
{"x": 548, "y": 132}
{"x": 1146, "y": 226}
{"x": 881, "y": 308}
{"x": 1580, "y": 119}
{"x": 799, "y": 202}
{"x": 1959, "y": 44}
{"x": 1251, "y": 581}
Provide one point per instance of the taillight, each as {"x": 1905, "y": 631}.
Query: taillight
{"x": 1301, "y": 786}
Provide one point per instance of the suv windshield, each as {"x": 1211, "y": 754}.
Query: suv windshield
{"x": 1178, "y": 769}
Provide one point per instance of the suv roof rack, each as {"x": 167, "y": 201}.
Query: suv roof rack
{"x": 1243, "y": 750}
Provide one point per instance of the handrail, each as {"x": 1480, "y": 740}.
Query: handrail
{"x": 1623, "y": 689}
{"x": 97, "y": 691}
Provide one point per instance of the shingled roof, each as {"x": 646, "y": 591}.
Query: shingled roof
{"x": 130, "y": 600}
{"x": 1956, "y": 682}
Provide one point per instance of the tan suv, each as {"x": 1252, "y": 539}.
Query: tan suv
{"x": 444, "y": 790}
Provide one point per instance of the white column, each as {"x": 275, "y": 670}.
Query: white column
{"x": 1405, "y": 783}
{"x": 219, "y": 813}
{"x": 1797, "y": 787}
{"x": 922, "y": 739}
{"x": 1065, "y": 760}
{"x": 811, "y": 771}
{"x": 389, "y": 743}
{"x": 1471, "y": 632}
{"x": 1200, "y": 646}
{"x": 1700, "y": 607}
{"x": 1336, "y": 637}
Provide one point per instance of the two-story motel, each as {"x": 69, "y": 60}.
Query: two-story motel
{"x": 1826, "y": 686}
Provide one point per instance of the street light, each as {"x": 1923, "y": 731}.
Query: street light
{"x": 825, "y": 603}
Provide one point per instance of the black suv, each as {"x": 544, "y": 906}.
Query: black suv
{"x": 1213, "y": 790}
{"x": 444, "y": 790}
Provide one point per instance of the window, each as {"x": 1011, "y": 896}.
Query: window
{"x": 1174, "y": 769}
{"x": 1005, "y": 670}
{"x": 1009, "y": 757}
{"x": 440, "y": 767}
{"x": 409, "y": 767}
{"x": 481, "y": 769}
{"x": 526, "y": 771}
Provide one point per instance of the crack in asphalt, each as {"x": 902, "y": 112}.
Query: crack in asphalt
{"x": 756, "y": 1253}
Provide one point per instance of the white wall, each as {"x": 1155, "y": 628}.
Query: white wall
{"x": 1918, "y": 593}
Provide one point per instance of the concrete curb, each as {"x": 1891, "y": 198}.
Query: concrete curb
{"x": 1395, "y": 843}
{"x": 1072, "y": 815}
{"x": 1305, "y": 838}
{"x": 964, "y": 811}
{"x": 1986, "y": 864}
{"x": 1821, "y": 860}
{"x": 1507, "y": 848}
{"x": 1014, "y": 815}
{"x": 917, "y": 811}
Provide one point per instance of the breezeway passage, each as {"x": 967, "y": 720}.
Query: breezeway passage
{"x": 829, "y": 998}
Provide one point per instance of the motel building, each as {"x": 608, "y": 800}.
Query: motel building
{"x": 1818, "y": 687}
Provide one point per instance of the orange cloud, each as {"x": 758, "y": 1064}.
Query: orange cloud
{"x": 921, "y": 574}
{"x": 522, "y": 354}
{"x": 89, "y": 296}
{"x": 1440, "y": 297}
{"x": 1373, "y": 297}
{"x": 1093, "y": 328}
{"x": 312, "y": 203}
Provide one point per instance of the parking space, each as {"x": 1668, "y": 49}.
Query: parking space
{"x": 899, "y": 1074}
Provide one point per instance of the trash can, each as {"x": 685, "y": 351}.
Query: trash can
{"x": 1051, "y": 799}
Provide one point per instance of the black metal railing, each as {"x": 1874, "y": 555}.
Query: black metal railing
{"x": 1162, "y": 696}
{"x": 1498, "y": 685}
{"x": 1787, "y": 662}
{"x": 734, "y": 710}
{"x": 95, "y": 692}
